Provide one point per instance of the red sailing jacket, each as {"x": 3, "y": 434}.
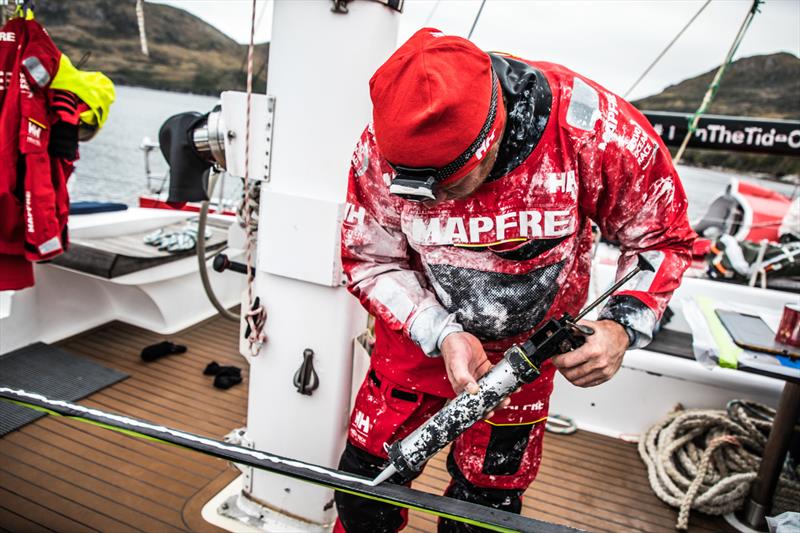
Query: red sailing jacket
{"x": 517, "y": 251}
{"x": 30, "y": 229}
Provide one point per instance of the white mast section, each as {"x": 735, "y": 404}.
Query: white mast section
{"x": 319, "y": 67}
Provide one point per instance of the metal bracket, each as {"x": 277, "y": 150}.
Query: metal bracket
{"x": 270, "y": 131}
{"x": 242, "y": 508}
{"x": 146, "y": 147}
{"x": 262, "y": 126}
{"x": 340, "y": 6}
{"x": 239, "y": 437}
{"x": 305, "y": 379}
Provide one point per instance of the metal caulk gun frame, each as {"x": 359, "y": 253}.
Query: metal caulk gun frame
{"x": 520, "y": 365}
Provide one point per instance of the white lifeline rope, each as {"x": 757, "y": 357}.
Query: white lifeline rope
{"x": 255, "y": 314}
{"x": 707, "y": 459}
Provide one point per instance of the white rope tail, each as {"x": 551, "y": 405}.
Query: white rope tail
{"x": 256, "y": 316}
{"x": 140, "y": 21}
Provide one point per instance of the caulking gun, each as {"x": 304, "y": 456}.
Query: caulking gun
{"x": 520, "y": 365}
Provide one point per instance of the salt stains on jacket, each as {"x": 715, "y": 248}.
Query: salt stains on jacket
{"x": 518, "y": 249}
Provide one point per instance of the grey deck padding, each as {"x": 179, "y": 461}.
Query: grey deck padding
{"x": 111, "y": 257}
{"x": 52, "y": 372}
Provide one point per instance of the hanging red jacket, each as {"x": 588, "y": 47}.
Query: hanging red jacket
{"x": 29, "y": 222}
{"x": 518, "y": 250}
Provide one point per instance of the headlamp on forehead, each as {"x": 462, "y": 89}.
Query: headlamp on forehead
{"x": 413, "y": 184}
{"x": 416, "y": 184}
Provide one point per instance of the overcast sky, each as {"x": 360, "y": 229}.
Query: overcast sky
{"x": 611, "y": 41}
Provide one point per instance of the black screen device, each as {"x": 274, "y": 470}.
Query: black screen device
{"x": 752, "y": 333}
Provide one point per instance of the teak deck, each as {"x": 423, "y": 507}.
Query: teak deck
{"x": 62, "y": 475}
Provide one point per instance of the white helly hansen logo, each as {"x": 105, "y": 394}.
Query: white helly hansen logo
{"x": 529, "y": 224}
{"x": 34, "y": 131}
{"x": 481, "y": 151}
{"x": 641, "y": 146}
{"x": 362, "y": 422}
{"x": 562, "y": 182}
{"x": 354, "y": 214}
{"x": 7, "y": 36}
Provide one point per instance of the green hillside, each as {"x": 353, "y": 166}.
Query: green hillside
{"x": 766, "y": 86}
{"x": 186, "y": 53}
{"x": 189, "y": 55}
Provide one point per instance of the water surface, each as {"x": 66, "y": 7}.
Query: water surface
{"x": 111, "y": 166}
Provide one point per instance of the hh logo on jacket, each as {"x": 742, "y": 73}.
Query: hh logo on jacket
{"x": 362, "y": 422}
{"x": 34, "y": 133}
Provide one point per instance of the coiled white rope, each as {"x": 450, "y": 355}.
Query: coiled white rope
{"x": 707, "y": 459}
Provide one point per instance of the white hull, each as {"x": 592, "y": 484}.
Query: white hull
{"x": 64, "y": 302}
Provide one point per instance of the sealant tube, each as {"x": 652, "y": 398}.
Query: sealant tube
{"x": 410, "y": 454}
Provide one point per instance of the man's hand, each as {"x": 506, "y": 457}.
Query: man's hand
{"x": 466, "y": 362}
{"x": 599, "y": 359}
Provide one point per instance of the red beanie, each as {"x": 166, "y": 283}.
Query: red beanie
{"x": 437, "y": 104}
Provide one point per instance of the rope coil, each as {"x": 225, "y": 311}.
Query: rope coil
{"x": 707, "y": 459}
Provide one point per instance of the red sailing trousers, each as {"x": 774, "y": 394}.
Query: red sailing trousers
{"x": 498, "y": 455}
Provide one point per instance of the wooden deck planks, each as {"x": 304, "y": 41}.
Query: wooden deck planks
{"x": 611, "y": 494}
{"x": 61, "y": 475}
{"x": 21, "y": 510}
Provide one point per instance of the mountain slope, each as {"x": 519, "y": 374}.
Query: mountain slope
{"x": 186, "y": 54}
{"x": 765, "y": 86}
{"x": 189, "y": 55}
{"x": 759, "y": 86}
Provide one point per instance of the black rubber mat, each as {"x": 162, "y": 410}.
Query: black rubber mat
{"x": 52, "y": 372}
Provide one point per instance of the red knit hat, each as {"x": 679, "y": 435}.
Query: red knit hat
{"x": 437, "y": 104}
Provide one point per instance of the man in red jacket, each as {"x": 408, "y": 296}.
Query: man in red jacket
{"x": 468, "y": 223}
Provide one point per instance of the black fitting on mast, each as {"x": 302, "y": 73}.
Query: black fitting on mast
{"x": 340, "y": 6}
{"x": 306, "y": 380}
